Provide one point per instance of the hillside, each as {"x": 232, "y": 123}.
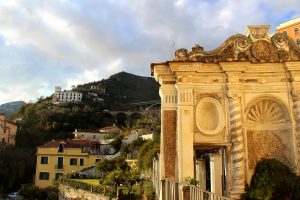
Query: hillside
{"x": 9, "y": 108}
{"x": 43, "y": 121}
{"x": 123, "y": 88}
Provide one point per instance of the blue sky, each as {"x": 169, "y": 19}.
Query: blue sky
{"x": 69, "y": 42}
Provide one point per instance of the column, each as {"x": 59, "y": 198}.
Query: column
{"x": 237, "y": 151}
{"x": 201, "y": 173}
{"x": 216, "y": 172}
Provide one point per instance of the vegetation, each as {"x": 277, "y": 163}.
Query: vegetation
{"x": 146, "y": 154}
{"x": 148, "y": 188}
{"x": 34, "y": 193}
{"x": 191, "y": 181}
{"x": 117, "y": 172}
{"x": 273, "y": 180}
{"x": 43, "y": 121}
{"x": 16, "y": 167}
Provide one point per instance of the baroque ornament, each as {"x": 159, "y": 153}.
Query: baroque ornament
{"x": 256, "y": 46}
{"x": 266, "y": 111}
{"x": 263, "y": 51}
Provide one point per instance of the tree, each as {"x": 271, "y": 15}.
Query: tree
{"x": 117, "y": 143}
{"x": 128, "y": 178}
{"x": 107, "y": 165}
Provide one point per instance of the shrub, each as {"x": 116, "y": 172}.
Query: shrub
{"x": 273, "y": 180}
{"x": 148, "y": 188}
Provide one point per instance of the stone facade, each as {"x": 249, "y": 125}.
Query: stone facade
{"x": 234, "y": 105}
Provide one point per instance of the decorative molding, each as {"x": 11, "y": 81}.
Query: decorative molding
{"x": 212, "y": 95}
{"x": 210, "y": 119}
{"x": 267, "y": 111}
{"x": 257, "y": 46}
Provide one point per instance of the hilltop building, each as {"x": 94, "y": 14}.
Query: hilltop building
{"x": 291, "y": 28}
{"x": 61, "y": 157}
{"x": 96, "y": 135}
{"x": 7, "y": 132}
{"x": 60, "y": 96}
{"x": 224, "y": 110}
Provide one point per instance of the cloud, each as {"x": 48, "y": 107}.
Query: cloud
{"x": 66, "y": 42}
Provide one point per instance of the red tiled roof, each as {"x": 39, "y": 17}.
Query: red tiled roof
{"x": 69, "y": 143}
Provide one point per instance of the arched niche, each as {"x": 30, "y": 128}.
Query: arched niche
{"x": 269, "y": 131}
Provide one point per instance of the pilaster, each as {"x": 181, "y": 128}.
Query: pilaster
{"x": 168, "y": 94}
{"x": 294, "y": 69}
{"x": 185, "y": 132}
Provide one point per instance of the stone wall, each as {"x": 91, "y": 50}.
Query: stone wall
{"x": 68, "y": 193}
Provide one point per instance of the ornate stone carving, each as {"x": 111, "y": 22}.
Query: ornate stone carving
{"x": 266, "y": 111}
{"x": 283, "y": 55}
{"x": 255, "y": 47}
{"x": 270, "y": 146}
{"x": 233, "y": 94}
{"x": 212, "y": 95}
{"x": 258, "y": 32}
{"x": 263, "y": 51}
{"x": 181, "y": 55}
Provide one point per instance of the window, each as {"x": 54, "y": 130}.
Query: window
{"x": 81, "y": 161}
{"x": 44, "y": 160}
{"x": 57, "y": 175}
{"x": 298, "y": 41}
{"x": 94, "y": 136}
{"x": 97, "y": 160}
{"x": 60, "y": 163}
{"x": 44, "y": 176}
{"x": 3, "y": 140}
{"x": 61, "y": 148}
{"x": 73, "y": 161}
{"x": 296, "y": 31}
{"x": 284, "y": 32}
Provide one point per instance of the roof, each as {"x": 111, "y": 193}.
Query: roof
{"x": 85, "y": 131}
{"x": 289, "y": 23}
{"x": 110, "y": 128}
{"x": 69, "y": 143}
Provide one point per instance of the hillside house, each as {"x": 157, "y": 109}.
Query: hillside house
{"x": 61, "y": 157}
{"x": 8, "y": 132}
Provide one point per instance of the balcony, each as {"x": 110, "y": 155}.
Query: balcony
{"x": 59, "y": 166}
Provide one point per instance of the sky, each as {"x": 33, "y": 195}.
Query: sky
{"x": 51, "y": 43}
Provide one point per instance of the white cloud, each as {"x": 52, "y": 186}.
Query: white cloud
{"x": 44, "y": 43}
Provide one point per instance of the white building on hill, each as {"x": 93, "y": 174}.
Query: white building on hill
{"x": 60, "y": 96}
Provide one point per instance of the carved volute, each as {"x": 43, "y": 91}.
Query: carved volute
{"x": 255, "y": 46}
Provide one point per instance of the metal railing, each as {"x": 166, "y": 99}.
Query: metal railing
{"x": 197, "y": 194}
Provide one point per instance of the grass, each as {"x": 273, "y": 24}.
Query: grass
{"x": 89, "y": 181}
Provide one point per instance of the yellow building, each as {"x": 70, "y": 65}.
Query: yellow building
{"x": 59, "y": 158}
{"x": 291, "y": 28}
{"x": 7, "y": 132}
